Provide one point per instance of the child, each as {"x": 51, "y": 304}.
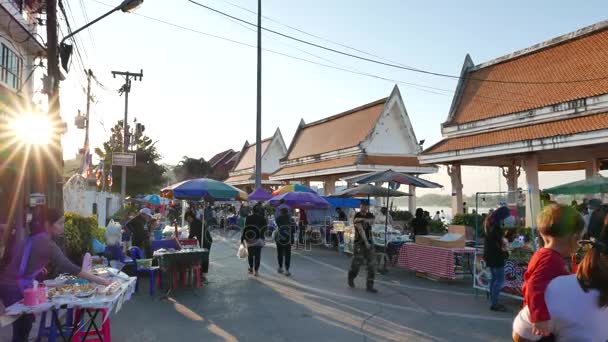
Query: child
{"x": 560, "y": 228}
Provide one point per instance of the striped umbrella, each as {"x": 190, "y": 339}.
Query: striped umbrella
{"x": 292, "y": 188}
{"x": 203, "y": 189}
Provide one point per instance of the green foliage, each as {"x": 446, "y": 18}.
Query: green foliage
{"x": 79, "y": 234}
{"x": 189, "y": 168}
{"x": 147, "y": 175}
{"x": 467, "y": 220}
{"x": 402, "y": 215}
{"x": 437, "y": 227}
{"x": 99, "y": 233}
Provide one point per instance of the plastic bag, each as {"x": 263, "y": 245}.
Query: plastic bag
{"x": 242, "y": 252}
{"x": 98, "y": 247}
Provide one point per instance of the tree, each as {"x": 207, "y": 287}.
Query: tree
{"x": 189, "y": 168}
{"x": 147, "y": 175}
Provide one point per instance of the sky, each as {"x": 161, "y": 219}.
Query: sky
{"x": 198, "y": 93}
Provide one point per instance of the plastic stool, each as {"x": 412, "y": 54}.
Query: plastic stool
{"x": 91, "y": 336}
{"x": 196, "y": 269}
{"x": 52, "y": 332}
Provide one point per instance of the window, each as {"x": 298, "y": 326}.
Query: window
{"x": 11, "y": 68}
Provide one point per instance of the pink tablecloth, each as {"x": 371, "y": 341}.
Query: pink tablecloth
{"x": 435, "y": 261}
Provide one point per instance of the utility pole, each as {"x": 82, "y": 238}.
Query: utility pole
{"x": 258, "y": 121}
{"x": 54, "y": 164}
{"x": 86, "y": 134}
{"x": 126, "y": 88}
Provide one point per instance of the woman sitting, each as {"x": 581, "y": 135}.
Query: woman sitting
{"x": 30, "y": 260}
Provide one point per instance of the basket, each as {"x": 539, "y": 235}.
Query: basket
{"x": 144, "y": 263}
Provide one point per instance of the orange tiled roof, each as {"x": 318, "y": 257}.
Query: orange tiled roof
{"x": 326, "y": 164}
{"x": 338, "y": 132}
{"x": 543, "y": 130}
{"x": 247, "y": 159}
{"x": 579, "y": 58}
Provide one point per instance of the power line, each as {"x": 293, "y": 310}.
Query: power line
{"x": 76, "y": 38}
{"x": 392, "y": 64}
{"x": 311, "y": 34}
{"x": 86, "y": 21}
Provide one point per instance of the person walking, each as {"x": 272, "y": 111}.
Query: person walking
{"x": 363, "y": 248}
{"x": 286, "y": 227}
{"x": 495, "y": 253}
{"x": 253, "y": 237}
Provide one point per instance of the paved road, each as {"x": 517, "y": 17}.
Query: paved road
{"x": 313, "y": 305}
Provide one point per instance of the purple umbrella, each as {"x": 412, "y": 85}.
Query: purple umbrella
{"x": 300, "y": 200}
{"x": 260, "y": 195}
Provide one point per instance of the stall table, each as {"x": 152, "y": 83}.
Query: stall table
{"x": 173, "y": 261}
{"x": 438, "y": 262}
{"x": 91, "y": 307}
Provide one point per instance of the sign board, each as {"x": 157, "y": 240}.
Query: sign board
{"x": 123, "y": 159}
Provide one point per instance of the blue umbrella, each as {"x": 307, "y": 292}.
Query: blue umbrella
{"x": 153, "y": 199}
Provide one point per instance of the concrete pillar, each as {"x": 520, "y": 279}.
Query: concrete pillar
{"x": 456, "y": 177}
{"x": 511, "y": 173}
{"x": 329, "y": 186}
{"x": 533, "y": 205}
{"x": 411, "y": 201}
{"x": 591, "y": 168}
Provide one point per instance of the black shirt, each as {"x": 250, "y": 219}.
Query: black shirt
{"x": 420, "y": 225}
{"x": 342, "y": 216}
{"x": 367, "y": 228}
{"x": 596, "y": 223}
{"x": 255, "y": 228}
{"x": 493, "y": 252}
{"x": 286, "y": 227}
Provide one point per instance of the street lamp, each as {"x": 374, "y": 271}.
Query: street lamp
{"x": 125, "y": 6}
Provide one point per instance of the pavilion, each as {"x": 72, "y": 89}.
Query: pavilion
{"x": 373, "y": 137}
{"x": 543, "y": 108}
{"x": 243, "y": 174}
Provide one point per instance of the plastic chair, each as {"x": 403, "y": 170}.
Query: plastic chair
{"x": 91, "y": 336}
{"x": 136, "y": 253}
{"x": 115, "y": 253}
{"x": 51, "y": 332}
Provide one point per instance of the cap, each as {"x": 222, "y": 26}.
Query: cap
{"x": 146, "y": 211}
{"x": 595, "y": 203}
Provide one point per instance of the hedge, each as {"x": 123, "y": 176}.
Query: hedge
{"x": 79, "y": 234}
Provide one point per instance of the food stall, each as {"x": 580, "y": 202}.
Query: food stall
{"x": 437, "y": 257}
{"x": 378, "y": 233}
{"x": 88, "y": 302}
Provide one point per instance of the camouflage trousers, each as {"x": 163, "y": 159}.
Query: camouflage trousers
{"x": 363, "y": 255}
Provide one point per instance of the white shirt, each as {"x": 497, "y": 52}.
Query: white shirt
{"x": 575, "y": 314}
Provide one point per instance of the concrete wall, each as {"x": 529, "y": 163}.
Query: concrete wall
{"x": 270, "y": 160}
{"x": 391, "y": 135}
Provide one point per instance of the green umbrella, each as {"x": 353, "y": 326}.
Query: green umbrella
{"x": 594, "y": 185}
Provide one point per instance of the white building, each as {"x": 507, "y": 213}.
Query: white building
{"x": 79, "y": 198}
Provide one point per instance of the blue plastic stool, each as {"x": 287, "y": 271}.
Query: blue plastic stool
{"x": 52, "y": 332}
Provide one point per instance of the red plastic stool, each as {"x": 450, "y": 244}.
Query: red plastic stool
{"x": 92, "y": 336}
{"x": 197, "y": 275}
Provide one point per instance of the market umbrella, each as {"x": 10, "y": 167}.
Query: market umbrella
{"x": 366, "y": 190}
{"x": 393, "y": 177}
{"x": 292, "y": 188}
{"x": 260, "y": 195}
{"x": 593, "y": 185}
{"x": 300, "y": 200}
{"x": 153, "y": 199}
{"x": 203, "y": 189}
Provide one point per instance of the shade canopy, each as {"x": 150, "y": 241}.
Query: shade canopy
{"x": 346, "y": 202}
{"x": 395, "y": 177}
{"x": 153, "y": 199}
{"x": 365, "y": 190}
{"x": 292, "y": 188}
{"x": 260, "y": 195}
{"x": 300, "y": 200}
{"x": 203, "y": 188}
{"x": 593, "y": 185}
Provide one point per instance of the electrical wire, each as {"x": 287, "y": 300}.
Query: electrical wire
{"x": 428, "y": 72}
{"x": 86, "y": 20}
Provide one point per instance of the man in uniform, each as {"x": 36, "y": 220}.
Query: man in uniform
{"x": 363, "y": 247}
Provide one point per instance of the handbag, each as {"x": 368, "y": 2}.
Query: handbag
{"x": 242, "y": 253}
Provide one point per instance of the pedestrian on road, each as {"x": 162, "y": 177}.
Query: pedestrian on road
{"x": 286, "y": 227}
{"x": 495, "y": 253}
{"x": 363, "y": 248}
{"x": 253, "y": 237}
